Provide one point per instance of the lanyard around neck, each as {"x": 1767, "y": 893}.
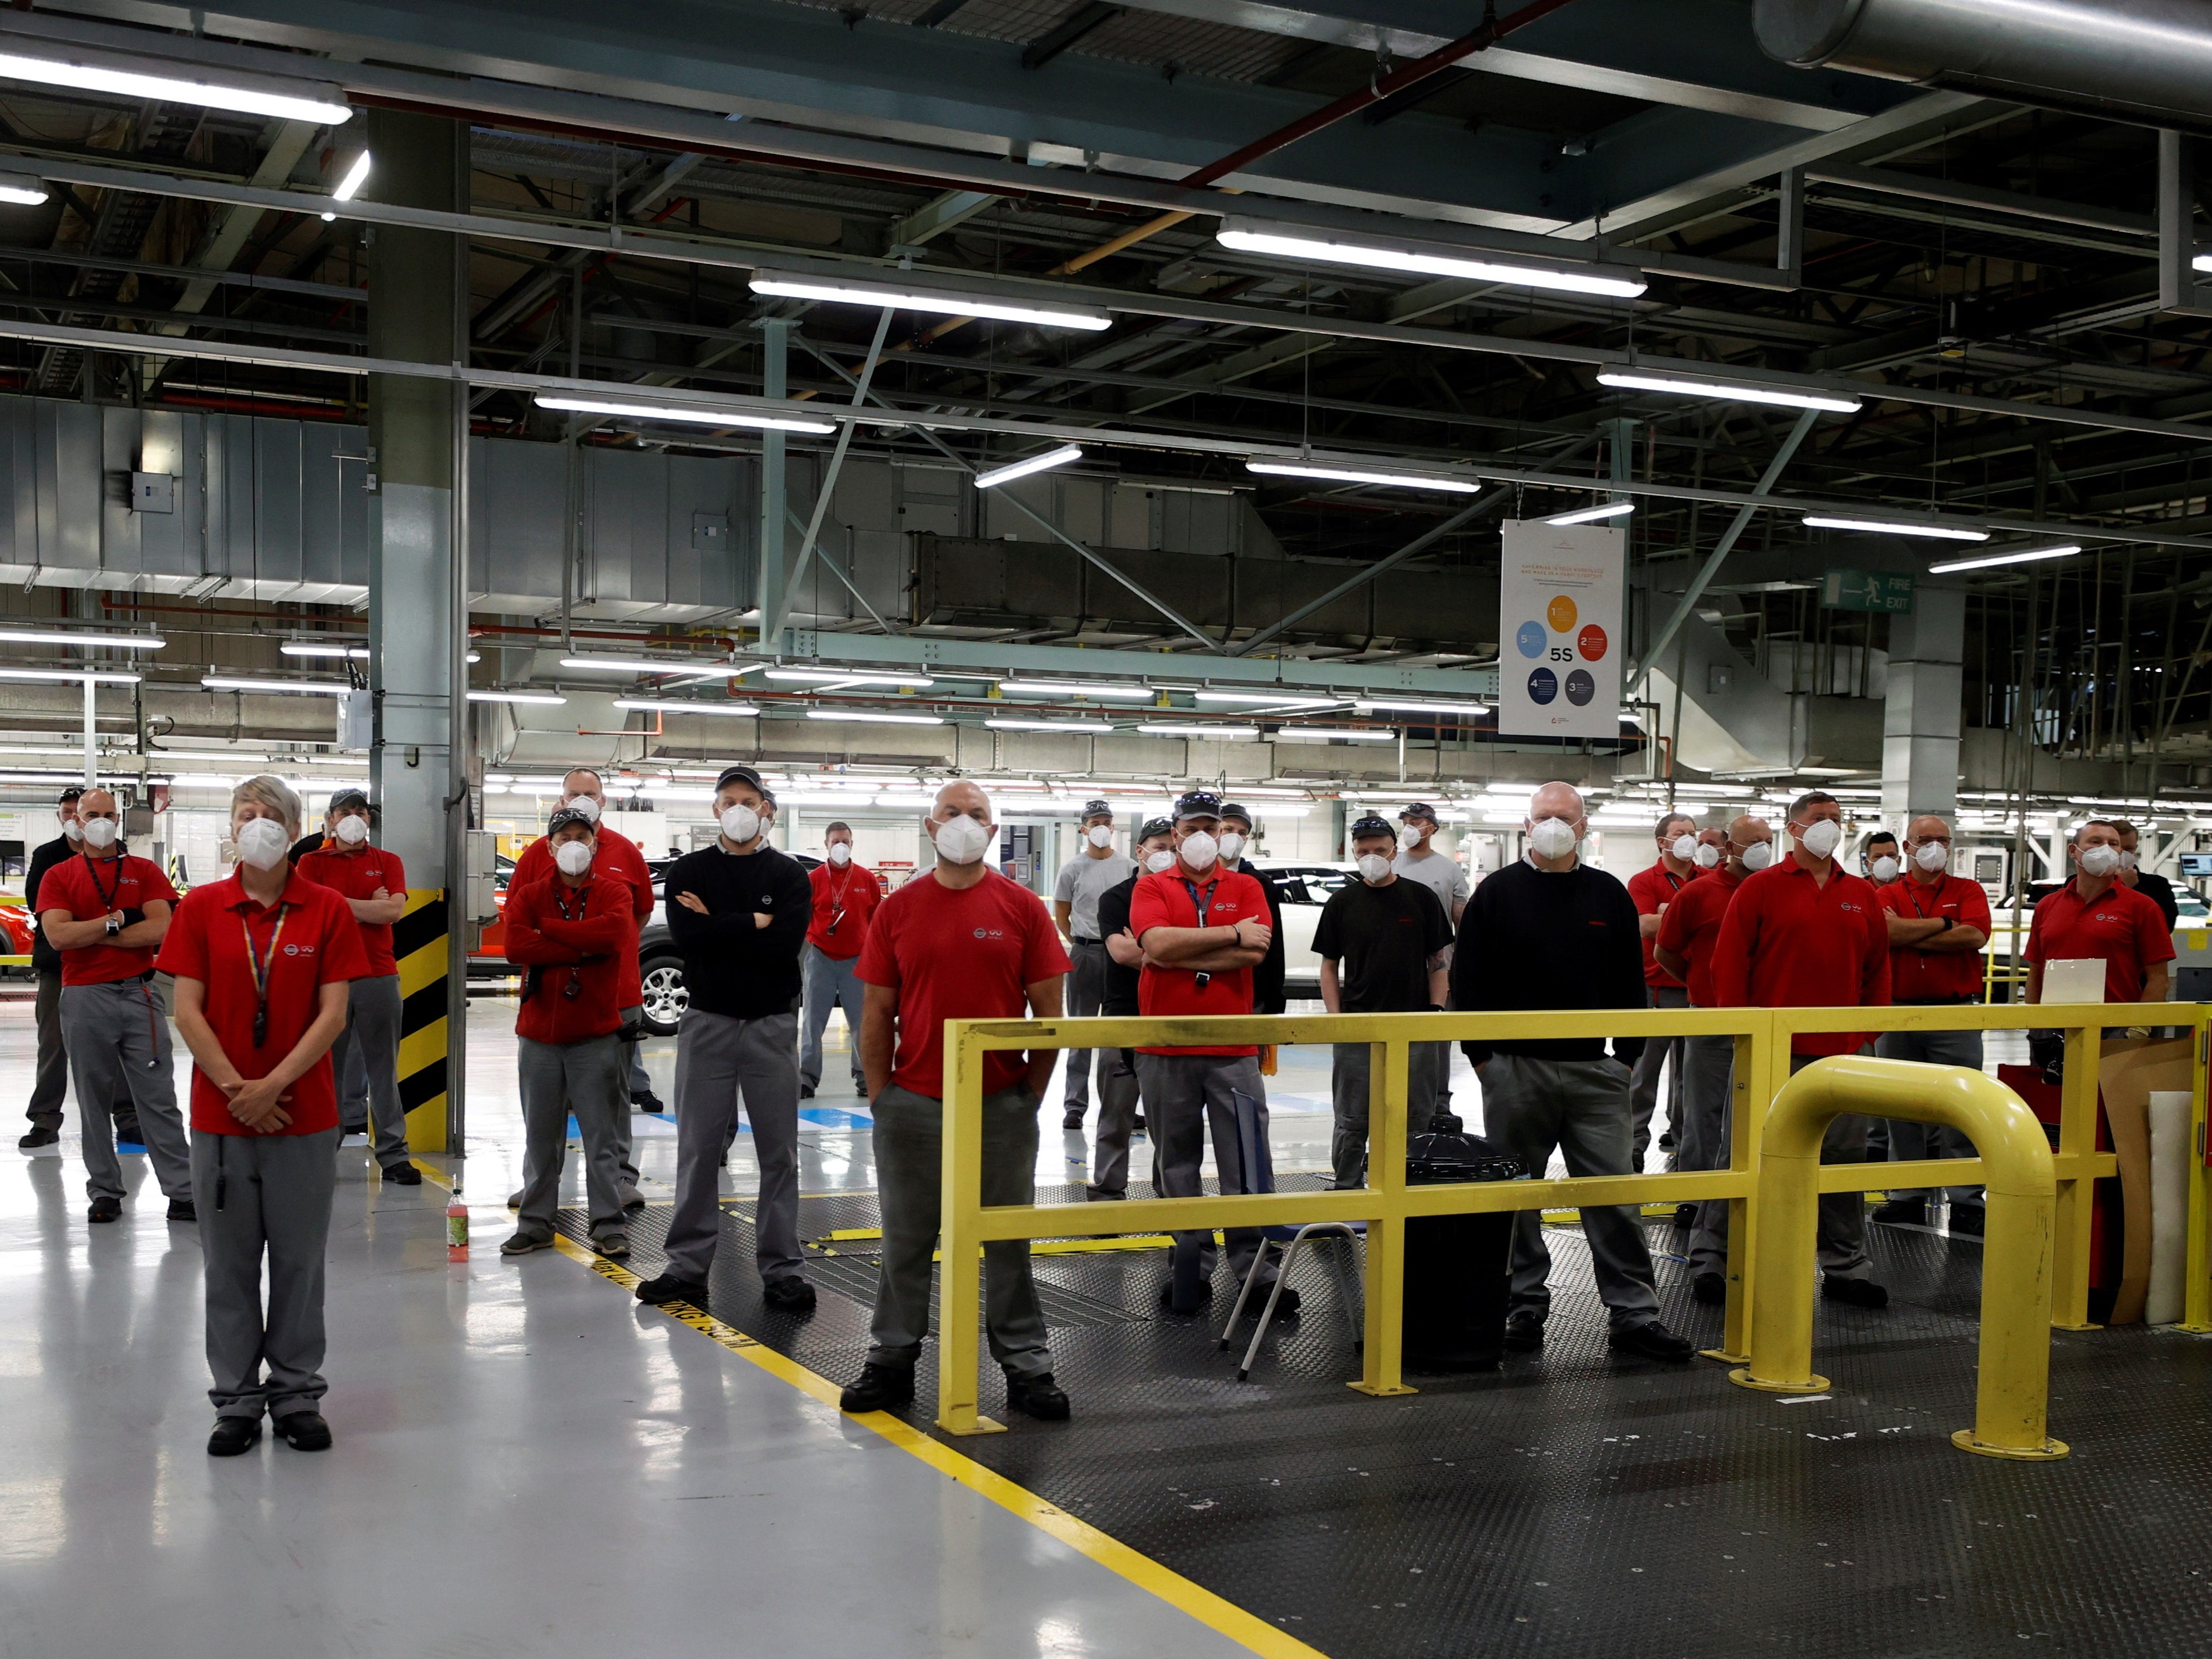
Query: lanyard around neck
{"x": 261, "y": 965}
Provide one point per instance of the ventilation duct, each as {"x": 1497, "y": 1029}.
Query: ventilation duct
{"x": 2148, "y": 61}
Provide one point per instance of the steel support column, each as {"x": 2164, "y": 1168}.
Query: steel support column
{"x": 776, "y": 357}
{"x": 1921, "y": 713}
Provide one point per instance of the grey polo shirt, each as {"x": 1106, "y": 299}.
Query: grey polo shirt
{"x": 1446, "y": 878}
{"x": 1082, "y": 879}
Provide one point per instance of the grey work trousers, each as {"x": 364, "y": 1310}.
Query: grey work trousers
{"x": 1910, "y": 1140}
{"x": 831, "y": 982}
{"x": 1708, "y": 1088}
{"x": 1119, "y": 1103}
{"x": 1349, "y": 1083}
{"x": 372, "y": 1033}
{"x": 1643, "y": 1080}
{"x": 558, "y": 1078}
{"x": 119, "y": 1040}
{"x": 1185, "y": 1096}
{"x": 726, "y": 1063}
{"x": 1840, "y": 1242}
{"x": 1579, "y": 1107}
{"x": 264, "y": 1195}
{"x": 51, "y": 1088}
{"x": 1086, "y": 995}
{"x": 351, "y": 1080}
{"x": 909, "y": 1146}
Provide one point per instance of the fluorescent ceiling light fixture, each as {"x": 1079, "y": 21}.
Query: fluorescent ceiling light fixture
{"x": 575, "y": 405}
{"x": 679, "y": 707}
{"x": 516, "y": 697}
{"x": 1941, "y": 532}
{"x": 1389, "y": 253}
{"x": 1349, "y": 475}
{"x": 1073, "y": 688}
{"x": 352, "y": 652}
{"x": 833, "y": 676}
{"x": 1269, "y": 699}
{"x": 1049, "y": 725}
{"x": 703, "y": 667}
{"x": 1340, "y": 734}
{"x": 22, "y": 189}
{"x": 70, "y": 675}
{"x": 879, "y": 720}
{"x": 1023, "y": 469}
{"x": 1592, "y": 514}
{"x": 355, "y": 177}
{"x": 1366, "y": 703}
{"x": 317, "y": 687}
{"x": 134, "y": 78}
{"x": 125, "y": 641}
{"x": 1687, "y": 385}
{"x": 901, "y": 297}
{"x": 1982, "y": 561}
{"x": 1221, "y": 731}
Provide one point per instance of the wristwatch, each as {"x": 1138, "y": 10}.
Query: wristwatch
{"x": 114, "y": 924}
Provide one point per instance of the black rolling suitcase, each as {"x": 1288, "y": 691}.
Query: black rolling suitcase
{"x": 1457, "y": 1276}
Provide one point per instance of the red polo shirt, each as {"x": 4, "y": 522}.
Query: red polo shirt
{"x": 356, "y": 873}
{"x": 2120, "y": 925}
{"x": 1791, "y": 942}
{"x": 1165, "y": 900}
{"x": 1653, "y": 891}
{"x": 308, "y": 938}
{"x": 582, "y": 935}
{"x": 615, "y": 854}
{"x": 959, "y": 953}
{"x": 1930, "y": 975}
{"x": 1692, "y": 924}
{"x": 844, "y": 900}
{"x": 88, "y": 890}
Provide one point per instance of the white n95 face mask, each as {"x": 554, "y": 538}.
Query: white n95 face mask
{"x": 584, "y": 804}
{"x": 961, "y": 840}
{"x": 2128, "y": 860}
{"x": 1931, "y": 855}
{"x": 262, "y": 842}
{"x": 1160, "y": 862}
{"x": 1232, "y": 845}
{"x": 1685, "y": 847}
{"x": 352, "y": 831}
{"x": 1199, "y": 851}
{"x": 1554, "y": 838}
{"x": 1099, "y": 835}
{"x": 100, "y": 833}
{"x": 1759, "y": 855}
{"x": 2099, "y": 860}
{"x": 839, "y": 854}
{"x": 575, "y": 857}
{"x": 1373, "y": 866}
{"x": 73, "y": 829}
{"x": 1820, "y": 837}
{"x": 741, "y": 823}
{"x": 1707, "y": 856}
{"x": 1408, "y": 837}
{"x": 1884, "y": 869}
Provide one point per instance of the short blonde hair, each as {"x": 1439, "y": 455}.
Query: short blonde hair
{"x": 267, "y": 791}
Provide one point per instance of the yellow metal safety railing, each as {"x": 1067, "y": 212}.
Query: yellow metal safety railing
{"x": 1763, "y": 1038}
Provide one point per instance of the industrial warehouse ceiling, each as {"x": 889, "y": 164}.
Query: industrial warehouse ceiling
{"x": 1979, "y": 277}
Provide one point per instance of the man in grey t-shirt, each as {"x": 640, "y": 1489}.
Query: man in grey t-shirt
{"x": 1075, "y": 909}
{"x": 1446, "y": 878}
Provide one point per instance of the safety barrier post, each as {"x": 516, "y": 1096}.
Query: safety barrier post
{"x": 1389, "y": 1073}
{"x": 959, "y": 1315}
{"x": 1754, "y": 1080}
{"x": 2013, "y": 1388}
{"x": 2196, "y": 1302}
{"x": 2077, "y": 1141}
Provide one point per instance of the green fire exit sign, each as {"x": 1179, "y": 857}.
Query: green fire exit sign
{"x": 1867, "y": 590}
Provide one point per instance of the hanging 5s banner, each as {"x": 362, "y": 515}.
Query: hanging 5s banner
{"x": 1558, "y": 623}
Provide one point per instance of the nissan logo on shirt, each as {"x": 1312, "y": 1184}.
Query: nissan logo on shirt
{"x": 990, "y": 932}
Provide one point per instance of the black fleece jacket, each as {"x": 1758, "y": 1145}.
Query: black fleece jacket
{"x": 1540, "y": 938}
{"x": 731, "y": 966}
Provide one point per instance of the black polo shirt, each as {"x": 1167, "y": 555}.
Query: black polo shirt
{"x": 1382, "y": 939}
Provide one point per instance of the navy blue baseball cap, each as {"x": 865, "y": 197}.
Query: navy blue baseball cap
{"x": 1197, "y": 803}
{"x": 1373, "y": 824}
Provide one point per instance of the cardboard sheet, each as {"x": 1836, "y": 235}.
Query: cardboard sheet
{"x": 2130, "y": 1069}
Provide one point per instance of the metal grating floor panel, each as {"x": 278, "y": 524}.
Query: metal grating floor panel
{"x": 1573, "y": 1503}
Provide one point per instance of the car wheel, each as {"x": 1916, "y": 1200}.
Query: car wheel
{"x": 666, "y": 994}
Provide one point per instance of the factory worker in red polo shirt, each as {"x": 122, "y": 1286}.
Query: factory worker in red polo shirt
{"x": 846, "y": 895}
{"x": 373, "y": 883}
{"x": 262, "y": 962}
{"x": 959, "y": 941}
{"x": 1808, "y": 933}
{"x": 1938, "y": 923}
{"x": 2095, "y": 915}
{"x": 107, "y": 912}
{"x": 1687, "y": 935}
{"x": 1203, "y": 930}
{"x": 1652, "y": 890}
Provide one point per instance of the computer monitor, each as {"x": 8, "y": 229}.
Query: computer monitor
{"x": 2194, "y": 865}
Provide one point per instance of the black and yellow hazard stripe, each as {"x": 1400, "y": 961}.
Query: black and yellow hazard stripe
{"x": 418, "y": 941}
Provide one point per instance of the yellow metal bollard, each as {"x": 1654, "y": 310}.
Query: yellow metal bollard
{"x": 2013, "y": 1390}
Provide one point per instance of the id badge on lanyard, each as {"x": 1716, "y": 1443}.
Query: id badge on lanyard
{"x": 1201, "y": 900}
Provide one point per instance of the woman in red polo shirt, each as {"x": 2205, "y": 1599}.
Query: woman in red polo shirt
{"x": 263, "y": 961}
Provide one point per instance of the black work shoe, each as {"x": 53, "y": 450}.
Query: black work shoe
{"x": 104, "y": 1209}
{"x": 1859, "y": 1293}
{"x": 1967, "y": 1218}
{"x": 128, "y": 1134}
{"x": 1652, "y": 1341}
{"x": 1913, "y": 1211}
{"x": 1072, "y": 1119}
{"x": 1205, "y": 1295}
{"x": 183, "y": 1209}
{"x": 304, "y": 1431}
{"x": 789, "y": 1294}
{"x": 41, "y": 1134}
{"x": 647, "y": 1101}
{"x": 234, "y": 1435}
{"x": 880, "y": 1387}
{"x": 1137, "y": 1127}
{"x": 668, "y": 1288}
{"x": 1038, "y": 1397}
{"x": 1711, "y": 1288}
{"x": 1288, "y": 1302}
{"x": 1685, "y": 1215}
{"x": 1524, "y": 1332}
{"x": 401, "y": 1174}
{"x": 514, "y": 1201}
{"x": 524, "y": 1241}
{"x": 806, "y": 1091}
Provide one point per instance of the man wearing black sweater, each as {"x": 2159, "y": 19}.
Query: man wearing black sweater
{"x": 739, "y": 910}
{"x": 1551, "y": 931}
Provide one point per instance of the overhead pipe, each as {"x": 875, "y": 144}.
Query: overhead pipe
{"x": 2144, "y": 61}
